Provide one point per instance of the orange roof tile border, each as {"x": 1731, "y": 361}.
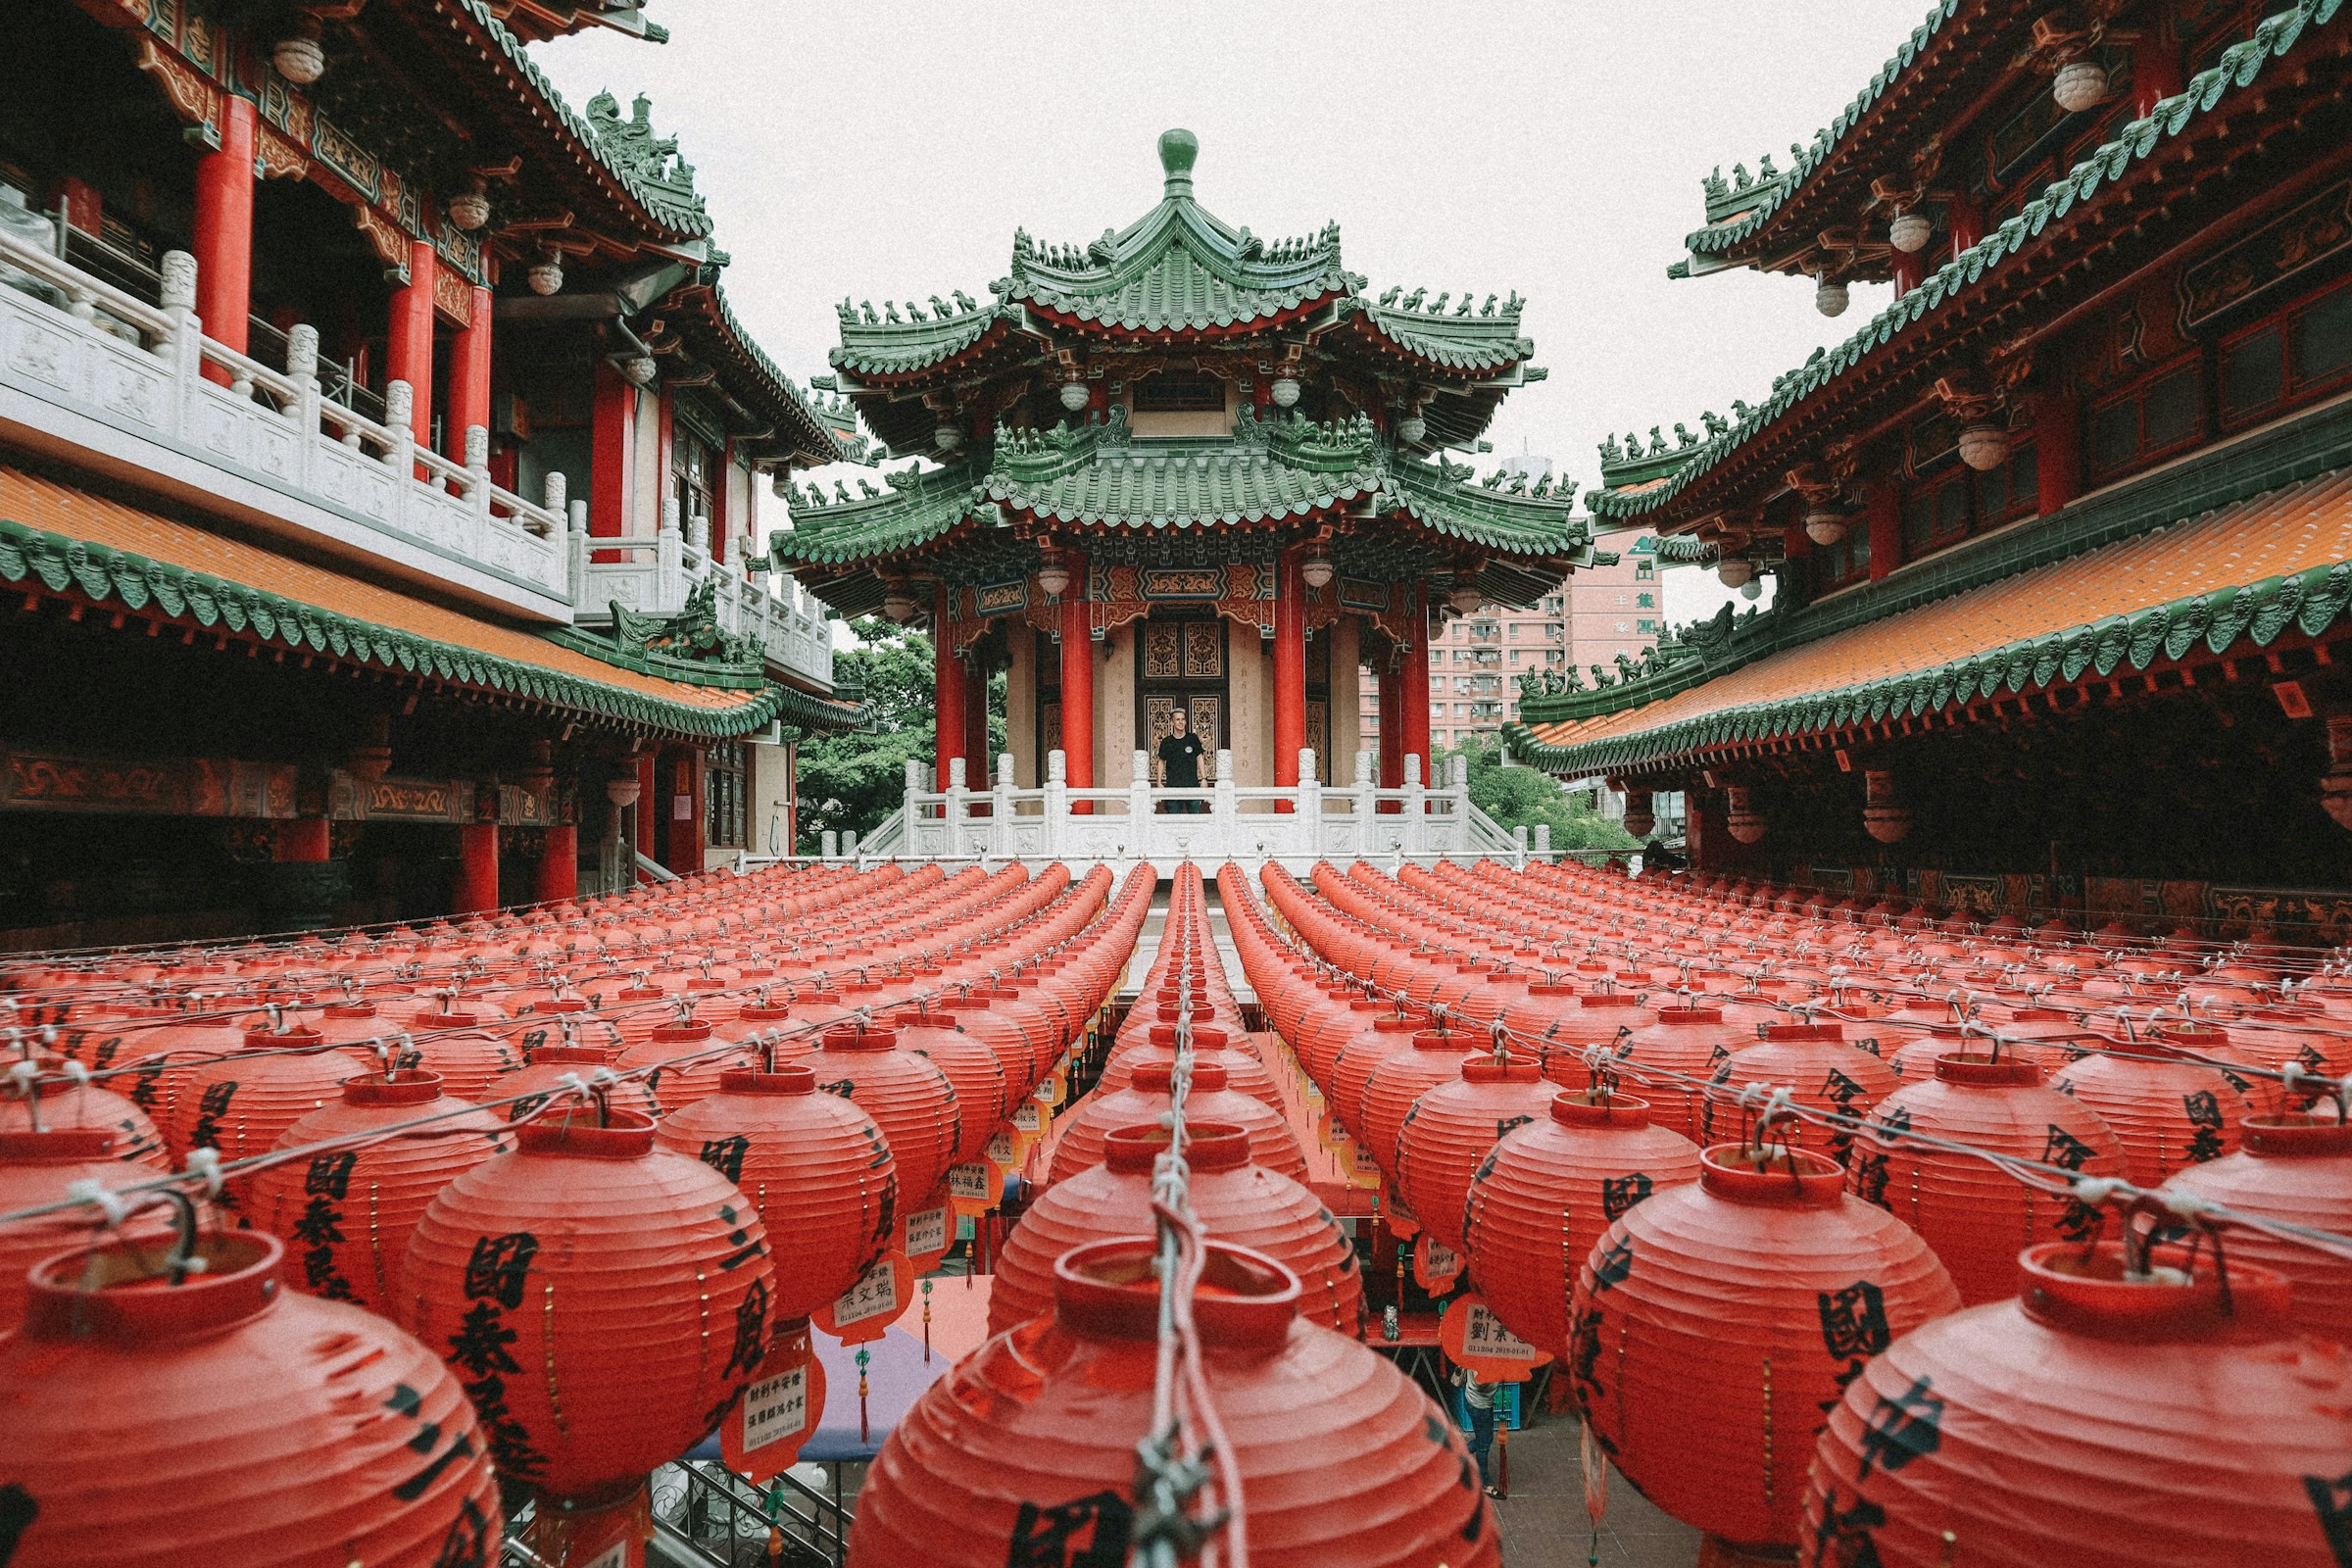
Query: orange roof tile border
{"x": 2253, "y": 570}
{"x": 72, "y": 542}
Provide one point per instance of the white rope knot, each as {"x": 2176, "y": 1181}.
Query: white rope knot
{"x": 206, "y": 1163}
{"x": 2187, "y": 1205}
{"x": 24, "y": 1075}
{"x": 78, "y": 1073}
{"x": 104, "y": 1198}
{"x": 2092, "y": 1190}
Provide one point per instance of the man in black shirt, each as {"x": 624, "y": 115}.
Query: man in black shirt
{"x": 1180, "y": 761}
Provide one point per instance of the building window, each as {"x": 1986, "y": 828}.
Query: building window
{"x": 1514, "y": 631}
{"x": 2296, "y": 355}
{"x": 1514, "y": 655}
{"x": 693, "y": 473}
{"x": 2151, "y": 419}
{"x": 724, "y": 783}
{"x": 1963, "y": 501}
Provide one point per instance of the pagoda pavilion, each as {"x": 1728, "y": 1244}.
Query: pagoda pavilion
{"x": 1182, "y": 468}
{"x": 2062, "y": 537}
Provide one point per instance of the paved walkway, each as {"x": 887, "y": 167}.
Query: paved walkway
{"x": 1543, "y": 1521}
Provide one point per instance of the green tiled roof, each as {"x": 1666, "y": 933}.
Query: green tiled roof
{"x": 918, "y": 506}
{"x": 2236, "y": 71}
{"x": 1148, "y": 489}
{"x": 1460, "y": 342}
{"x": 893, "y": 348}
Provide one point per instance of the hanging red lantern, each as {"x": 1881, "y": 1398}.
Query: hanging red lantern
{"x": 1342, "y": 1458}
{"x": 54, "y": 1101}
{"x": 1821, "y": 1070}
{"x": 1243, "y": 1071}
{"x": 1542, "y": 1200}
{"x": 817, "y": 1167}
{"x": 2296, "y": 1169}
{"x": 240, "y": 1104}
{"x": 1081, "y": 1134}
{"x": 1238, "y": 1202}
{"x": 907, "y": 1096}
{"x": 633, "y": 1283}
{"x": 983, "y": 1092}
{"x": 2166, "y": 1110}
{"x": 1715, "y": 1323}
{"x": 1358, "y": 1056}
{"x": 686, "y": 1062}
{"x": 460, "y": 1049}
{"x": 1667, "y": 1062}
{"x": 291, "y": 1430}
{"x": 1975, "y": 1216}
{"x": 1435, "y": 1057}
{"x": 552, "y": 1066}
{"x": 347, "y": 1214}
{"x": 2107, "y": 1418}
{"x": 1451, "y": 1130}
{"x": 37, "y": 1169}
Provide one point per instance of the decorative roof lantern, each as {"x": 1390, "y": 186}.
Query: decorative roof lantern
{"x": 1316, "y": 569}
{"x": 639, "y": 367}
{"x": 1882, "y": 818}
{"x": 1074, "y": 394}
{"x": 1910, "y": 231}
{"x": 1411, "y": 426}
{"x": 300, "y": 57}
{"x": 1734, "y": 571}
{"x": 1464, "y": 598}
{"x": 1823, "y": 527}
{"x": 546, "y": 276}
{"x": 2081, "y": 83}
{"x": 1052, "y": 573}
{"x": 947, "y": 437}
{"x": 1830, "y": 295}
{"x": 898, "y": 601}
{"x": 1751, "y": 589}
{"x": 1984, "y": 446}
{"x": 1286, "y": 391}
{"x": 470, "y": 208}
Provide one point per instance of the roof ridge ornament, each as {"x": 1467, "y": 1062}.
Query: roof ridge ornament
{"x": 1178, "y": 148}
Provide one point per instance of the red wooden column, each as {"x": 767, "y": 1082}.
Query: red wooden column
{"x": 302, "y": 840}
{"x": 476, "y": 891}
{"x": 611, "y": 454}
{"x": 409, "y": 341}
{"x": 684, "y": 847}
{"x": 975, "y": 725}
{"x": 1910, "y": 270}
{"x": 1966, "y": 220}
{"x": 224, "y": 232}
{"x": 2057, "y": 451}
{"x": 468, "y": 377}
{"x": 651, "y": 809}
{"x": 947, "y": 682}
{"x": 1886, "y": 529}
{"x": 559, "y": 876}
{"x": 2155, "y": 69}
{"x": 1413, "y": 683}
{"x": 1078, "y": 685}
{"x": 1392, "y": 730}
{"x": 1290, "y": 671}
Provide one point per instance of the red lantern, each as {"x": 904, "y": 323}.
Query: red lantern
{"x": 460, "y": 1049}
{"x": 817, "y": 1167}
{"x": 632, "y": 1283}
{"x": 1821, "y": 1071}
{"x": 1083, "y": 1131}
{"x": 983, "y": 1092}
{"x": 1543, "y": 1198}
{"x": 907, "y": 1096}
{"x": 347, "y": 1214}
{"x": 1666, "y": 1061}
{"x": 1243, "y": 1071}
{"x": 1358, "y": 1057}
{"x": 1975, "y": 1216}
{"x": 686, "y": 1061}
{"x": 2298, "y": 1170}
{"x": 37, "y": 1169}
{"x": 240, "y": 1104}
{"x": 1435, "y": 1058}
{"x": 83, "y": 1106}
{"x": 2099, "y": 1420}
{"x": 229, "y": 1422}
{"x": 1451, "y": 1130}
{"x": 551, "y": 1065}
{"x": 1239, "y": 1202}
{"x": 2166, "y": 1110}
{"x": 1716, "y": 1322}
{"x": 1342, "y": 1458}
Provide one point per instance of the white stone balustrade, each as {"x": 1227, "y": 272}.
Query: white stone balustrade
{"x": 653, "y": 577}
{"x": 91, "y": 372}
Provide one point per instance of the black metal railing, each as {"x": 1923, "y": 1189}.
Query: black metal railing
{"x": 724, "y": 1520}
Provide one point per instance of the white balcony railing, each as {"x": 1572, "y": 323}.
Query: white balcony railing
{"x": 91, "y": 349}
{"x": 654, "y": 576}
{"x": 1251, "y": 824}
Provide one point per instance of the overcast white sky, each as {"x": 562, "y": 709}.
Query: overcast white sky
{"x": 887, "y": 149}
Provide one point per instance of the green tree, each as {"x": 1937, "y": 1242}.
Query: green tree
{"x": 1522, "y": 797}
{"x": 850, "y": 782}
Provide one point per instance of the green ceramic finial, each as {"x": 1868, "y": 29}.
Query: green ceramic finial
{"x": 1177, "y": 150}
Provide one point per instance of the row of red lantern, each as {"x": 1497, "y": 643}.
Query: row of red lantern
{"x": 1745, "y": 1235}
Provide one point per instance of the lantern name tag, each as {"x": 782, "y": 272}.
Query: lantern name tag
{"x": 775, "y": 1408}
{"x": 1486, "y": 1335}
{"x": 926, "y": 1232}
{"x": 874, "y": 1295}
{"x": 1001, "y": 1148}
{"x": 1026, "y": 1118}
{"x": 969, "y": 1183}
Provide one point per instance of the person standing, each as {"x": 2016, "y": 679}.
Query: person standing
{"x": 1478, "y": 1397}
{"x": 1180, "y": 752}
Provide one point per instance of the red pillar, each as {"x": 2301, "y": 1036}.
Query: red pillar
{"x": 409, "y": 341}
{"x": 1078, "y": 684}
{"x": 651, "y": 809}
{"x": 975, "y": 725}
{"x": 468, "y": 378}
{"x": 304, "y": 839}
{"x": 560, "y": 866}
{"x": 2155, "y": 69}
{"x": 1413, "y": 683}
{"x": 1886, "y": 529}
{"x": 947, "y": 685}
{"x": 2057, "y": 451}
{"x": 477, "y": 869}
{"x": 685, "y": 839}
{"x": 1391, "y": 727}
{"x": 1966, "y": 222}
{"x": 1290, "y": 671}
{"x": 224, "y": 232}
{"x": 1910, "y": 270}
{"x": 611, "y": 454}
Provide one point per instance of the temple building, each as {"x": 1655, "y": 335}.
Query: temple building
{"x": 2061, "y": 537}
{"x": 1183, "y": 467}
{"x": 380, "y": 456}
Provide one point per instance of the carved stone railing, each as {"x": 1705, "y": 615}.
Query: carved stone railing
{"x": 129, "y": 368}
{"x": 653, "y": 577}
